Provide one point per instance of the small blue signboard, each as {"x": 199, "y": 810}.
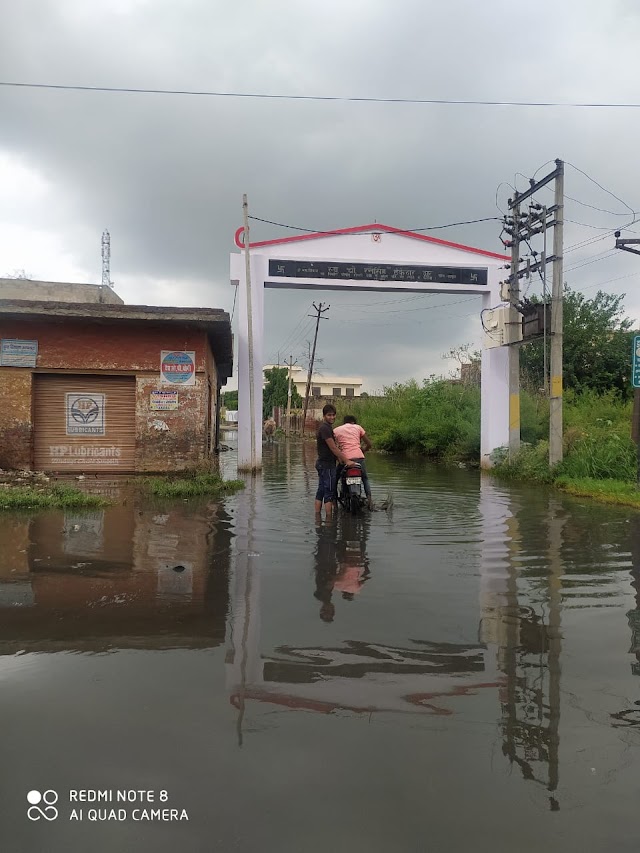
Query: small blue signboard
{"x": 635, "y": 362}
{"x": 16, "y": 353}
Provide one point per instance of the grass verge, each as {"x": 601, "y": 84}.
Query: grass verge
{"x": 49, "y": 497}
{"x": 192, "y": 486}
{"x": 608, "y": 491}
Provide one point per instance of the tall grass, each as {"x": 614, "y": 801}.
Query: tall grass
{"x": 441, "y": 420}
{"x": 438, "y": 419}
{"x": 597, "y": 443}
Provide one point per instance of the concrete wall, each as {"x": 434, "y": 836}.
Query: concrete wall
{"x": 15, "y": 417}
{"x": 57, "y": 291}
{"x": 165, "y": 440}
{"x": 173, "y": 440}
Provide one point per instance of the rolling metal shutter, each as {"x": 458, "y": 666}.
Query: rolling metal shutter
{"x": 84, "y": 423}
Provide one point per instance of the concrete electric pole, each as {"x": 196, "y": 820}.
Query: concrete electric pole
{"x": 247, "y": 258}
{"x": 522, "y": 228}
{"x": 287, "y": 428}
{"x": 320, "y": 311}
{"x": 106, "y": 259}
{"x": 514, "y": 321}
{"x": 555, "y": 361}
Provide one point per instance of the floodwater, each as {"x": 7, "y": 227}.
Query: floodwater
{"x": 458, "y": 672}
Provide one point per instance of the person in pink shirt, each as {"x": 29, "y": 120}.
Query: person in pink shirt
{"x": 354, "y": 442}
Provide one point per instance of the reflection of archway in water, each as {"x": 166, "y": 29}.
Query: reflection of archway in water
{"x": 415, "y": 677}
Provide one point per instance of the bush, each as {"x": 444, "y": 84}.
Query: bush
{"x": 441, "y": 420}
{"x": 603, "y": 456}
{"x": 531, "y": 463}
{"x": 192, "y": 486}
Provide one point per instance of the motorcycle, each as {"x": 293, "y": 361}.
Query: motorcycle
{"x": 351, "y": 495}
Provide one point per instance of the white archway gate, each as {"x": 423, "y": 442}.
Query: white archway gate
{"x": 373, "y": 258}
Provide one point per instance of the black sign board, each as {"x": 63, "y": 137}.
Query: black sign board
{"x": 347, "y": 271}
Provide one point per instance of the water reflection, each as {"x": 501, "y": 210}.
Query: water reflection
{"x": 341, "y": 562}
{"x": 525, "y": 630}
{"x": 131, "y": 576}
{"x": 357, "y": 675}
{"x": 484, "y": 639}
{"x": 630, "y": 717}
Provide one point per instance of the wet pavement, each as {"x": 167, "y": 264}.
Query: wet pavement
{"x": 458, "y": 672}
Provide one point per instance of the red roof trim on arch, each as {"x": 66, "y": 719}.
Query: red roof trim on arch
{"x": 358, "y": 229}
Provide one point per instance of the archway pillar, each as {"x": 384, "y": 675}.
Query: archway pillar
{"x": 494, "y": 397}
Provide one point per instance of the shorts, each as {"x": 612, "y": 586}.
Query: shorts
{"x": 327, "y": 483}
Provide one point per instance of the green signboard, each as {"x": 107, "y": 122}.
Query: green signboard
{"x": 635, "y": 362}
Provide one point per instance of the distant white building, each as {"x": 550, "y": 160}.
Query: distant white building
{"x": 323, "y": 386}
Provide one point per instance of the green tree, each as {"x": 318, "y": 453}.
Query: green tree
{"x": 230, "y": 400}
{"x": 596, "y": 345}
{"x": 275, "y": 391}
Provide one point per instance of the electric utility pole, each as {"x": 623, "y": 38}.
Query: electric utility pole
{"x": 514, "y": 320}
{"x": 522, "y": 227}
{"x": 287, "y": 427}
{"x": 555, "y": 361}
{"x": 247, "y": 258}
{"x": 320, "y": 311}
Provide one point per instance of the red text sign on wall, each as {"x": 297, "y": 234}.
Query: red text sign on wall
{"x": 177, "y": 367}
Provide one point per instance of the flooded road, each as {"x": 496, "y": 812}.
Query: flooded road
{"x": 458, "y": 672}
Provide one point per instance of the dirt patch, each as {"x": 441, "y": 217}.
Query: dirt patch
{"x": 23, "y": 478}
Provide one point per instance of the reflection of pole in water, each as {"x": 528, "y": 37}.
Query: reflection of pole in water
{"x": 556, "y": 524}
{"x": 629, "y": 716}
{"x": 244, "y": 661}
{"x": 633, "y": 616}
{"x": 528, "y": 649}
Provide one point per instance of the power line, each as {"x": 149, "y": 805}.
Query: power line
{"x": 604, "y": 189}
{"x": 336, "y": 98}
{"x": 404, "y": 310}
{"x": 601, "y": 257}
{"x": 300, "y": 329}
{"x": 395, "y": 231}
{"x": 359, "y": 306}
{"x": 589, "y": 241}
{"x": 608, "y": 281}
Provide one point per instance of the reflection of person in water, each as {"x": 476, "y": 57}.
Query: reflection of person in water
{"x": 326, "y": 567}
{"x": 353, "y": 562}
{"x": 341, "y": 562}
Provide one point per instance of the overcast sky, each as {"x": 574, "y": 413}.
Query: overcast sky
{"x": 166, "y": 173}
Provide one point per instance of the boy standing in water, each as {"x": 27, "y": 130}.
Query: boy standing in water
{"x": 328, "y": 453}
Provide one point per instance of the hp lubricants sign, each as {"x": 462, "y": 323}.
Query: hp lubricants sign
{"x": 85, "y": 414}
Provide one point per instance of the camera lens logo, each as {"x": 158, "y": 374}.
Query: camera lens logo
{"x": 84, "y": 410}
{"x": 48, "y": 811}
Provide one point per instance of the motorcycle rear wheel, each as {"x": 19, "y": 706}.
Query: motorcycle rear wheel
{"x": 354, "y": 504}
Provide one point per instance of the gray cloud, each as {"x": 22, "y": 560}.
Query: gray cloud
{"x": 166, "y": 173}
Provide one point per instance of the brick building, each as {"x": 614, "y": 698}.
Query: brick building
{"x": 102, "y": 387}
